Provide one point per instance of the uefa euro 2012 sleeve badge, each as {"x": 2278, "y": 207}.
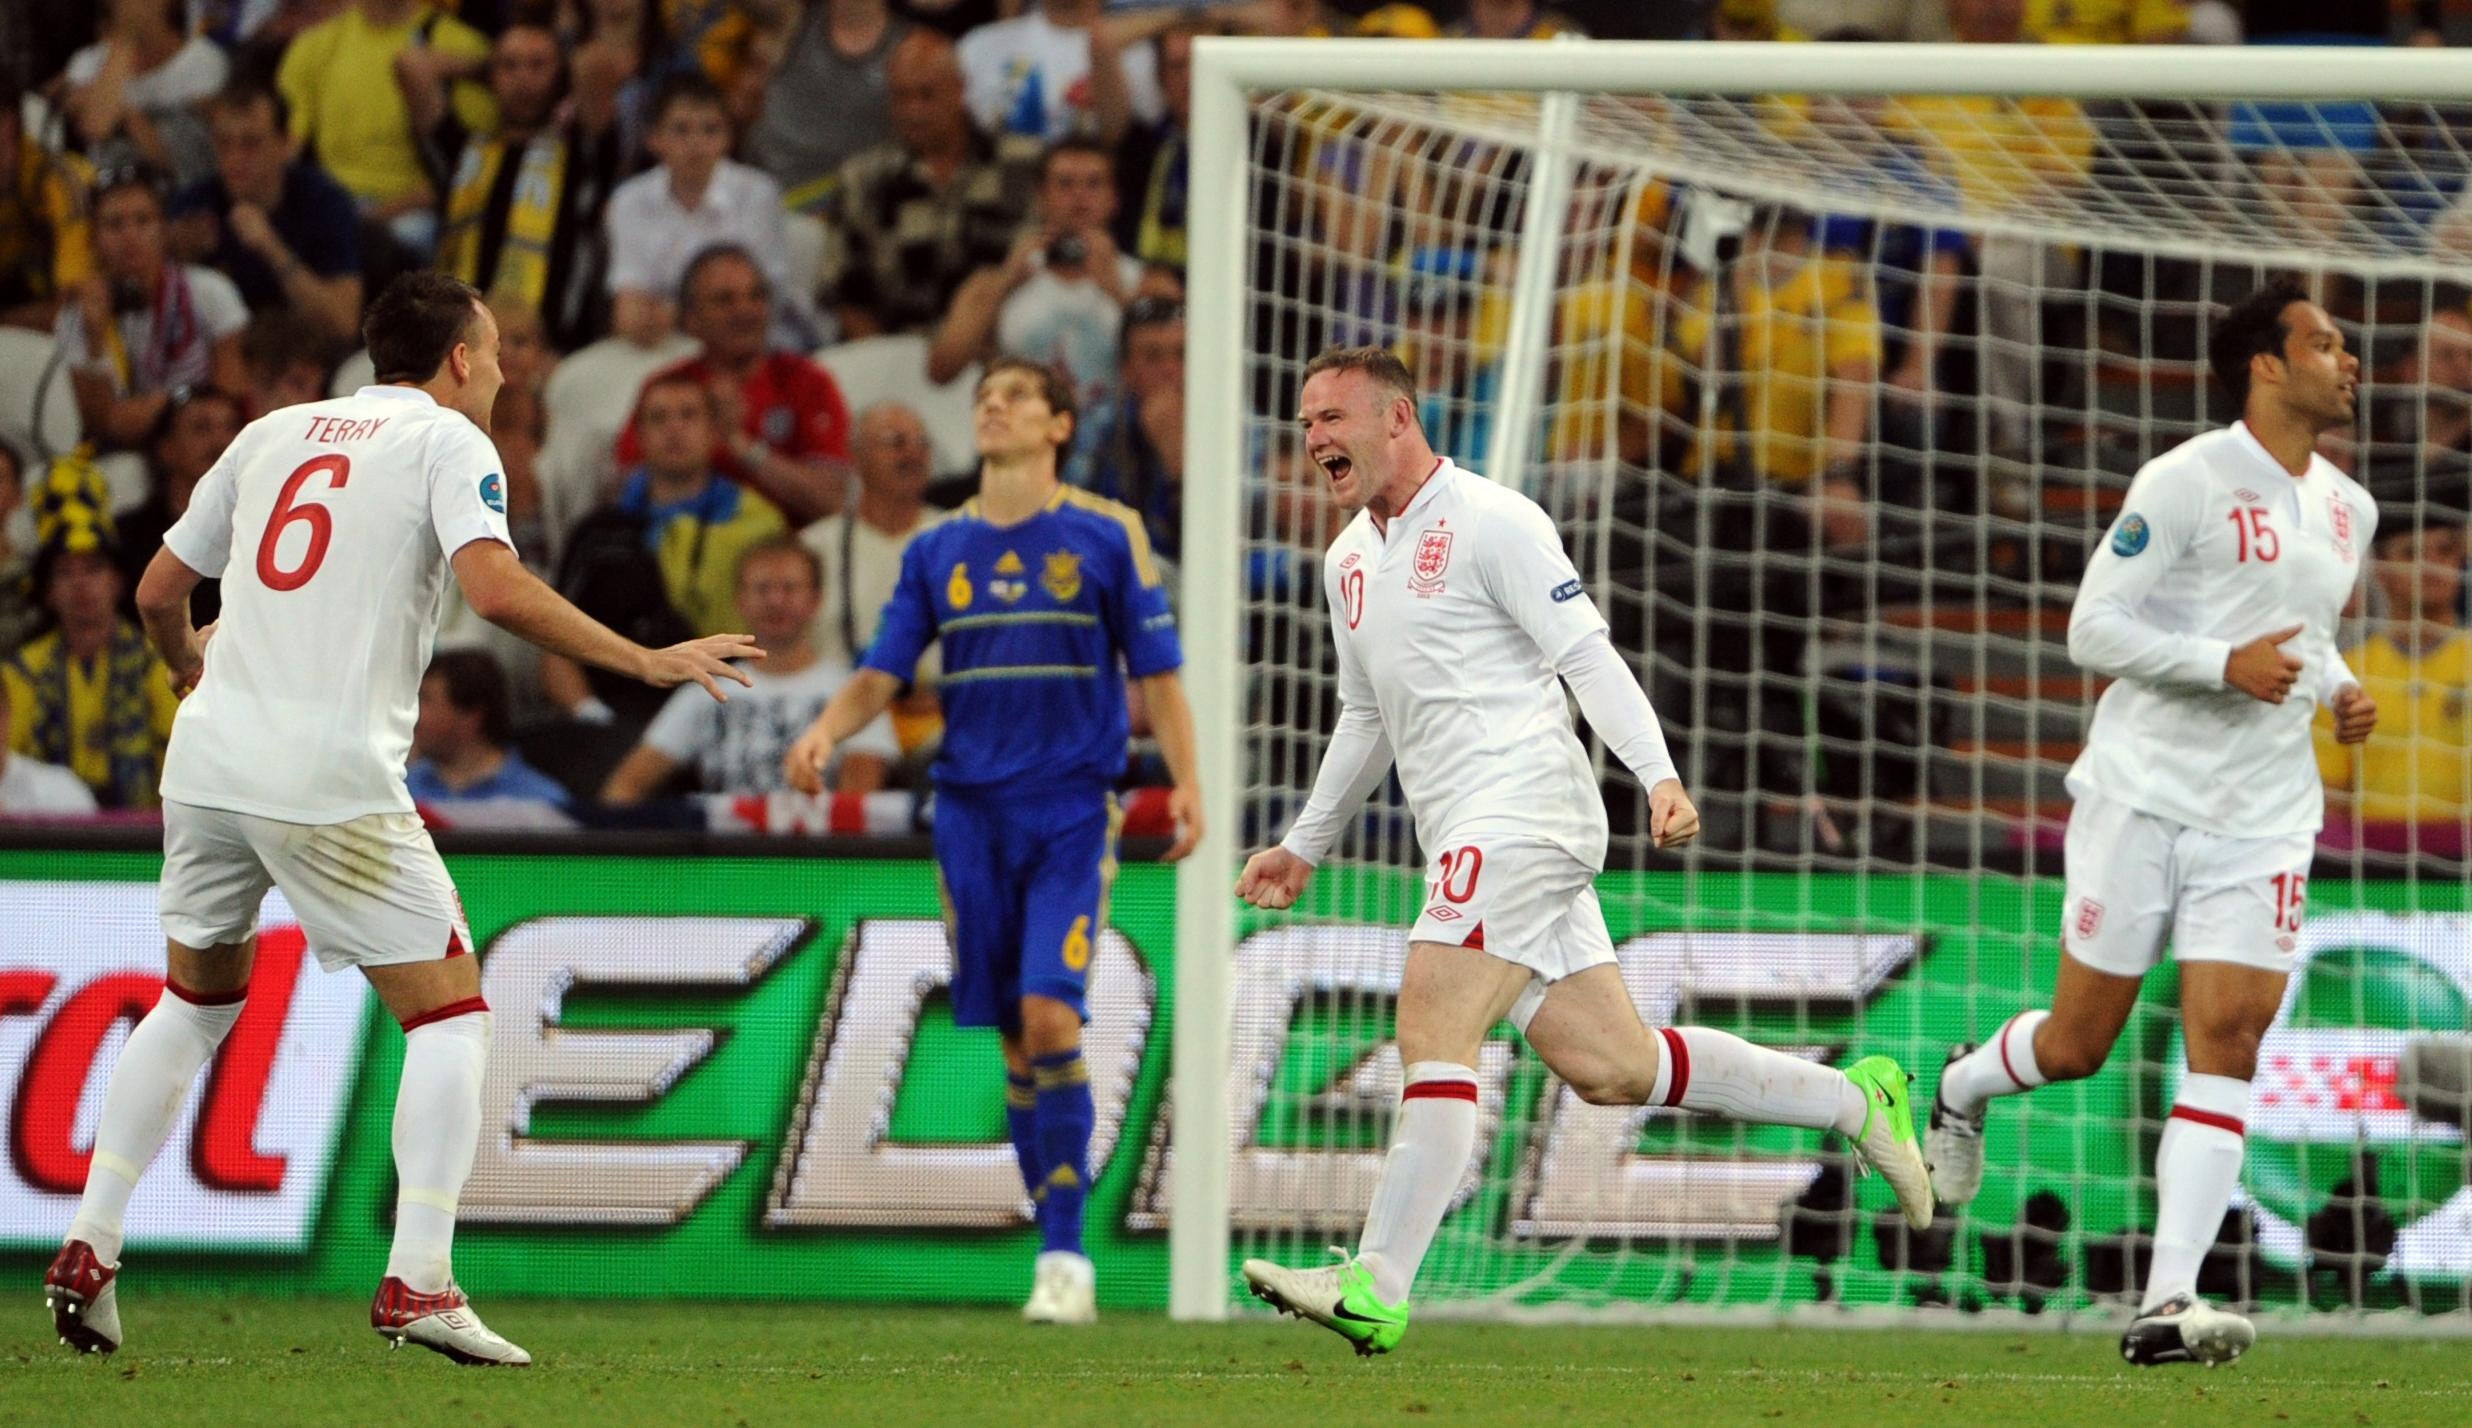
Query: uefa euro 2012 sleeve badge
{"x": 2129, "y": 537}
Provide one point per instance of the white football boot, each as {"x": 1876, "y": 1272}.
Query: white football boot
{"x": 2186, "y": 1330}
{"x": 444, "y": 1322}
{"x": 1064, "y": 1290}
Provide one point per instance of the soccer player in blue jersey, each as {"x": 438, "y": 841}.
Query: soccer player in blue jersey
{"x": 1046, "y": 599}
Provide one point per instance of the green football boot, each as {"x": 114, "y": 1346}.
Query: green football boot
{"x": 1886, "y": 1143}
{"x": 1338, "y": 1297}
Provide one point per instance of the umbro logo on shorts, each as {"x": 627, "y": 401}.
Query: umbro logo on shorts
{"x": 1442, "y": 914}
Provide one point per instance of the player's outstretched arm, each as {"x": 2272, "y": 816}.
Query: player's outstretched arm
{"x": 1171, "y": 722}
{"x": 854, "y": 706}
{"x": 505, "y": 594}
{"x": 163, "y": 604}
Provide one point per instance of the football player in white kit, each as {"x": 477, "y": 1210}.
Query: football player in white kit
{"x": 332, "y": 526}
{"x": 2212, "y": 606}
{"x": 1458, "y": 619}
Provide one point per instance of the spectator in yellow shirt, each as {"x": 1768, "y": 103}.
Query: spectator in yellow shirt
{"x": 345, "y": 80}
{"x": 2107, "y": 22}
{"x": 1799, "y": 368}
{"x": 2417, "y": 665}
{"x": 2006, "y": 155}
{"x": 46, "y": 247}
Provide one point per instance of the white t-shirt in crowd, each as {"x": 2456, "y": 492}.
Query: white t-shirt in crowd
{"x": 875, "y": 568}
{"x": 738, "y": 747}
{"x": 1451, "y": 624}
{"x": 2216, "y": 545}
{"x": 652, "y": 236}
{"x": 195, "y": 72}
{"x": 30, "y": 786}
{"x": 216, "y": 311}
{"x": 330, "y": 525}
{"x": 1070, "y": 323}
{"x": 1027, "y": 76}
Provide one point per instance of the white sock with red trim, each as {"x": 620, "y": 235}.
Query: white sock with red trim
{"x": 1430, "y": 1144}
{"x": 149, "y": 1085}
{"x": 2002, "y": 1066}
{"x": 2195, "y": 1168}
{"x": 1724, "y": 1075}
{"x": 437, "y": 1129}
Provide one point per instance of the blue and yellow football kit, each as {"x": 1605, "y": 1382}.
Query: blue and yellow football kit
{"x": 1041, "y": 622}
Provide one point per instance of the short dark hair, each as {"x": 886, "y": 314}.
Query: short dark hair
{"x": 1075, "y": 144}
{"x": 2252, "y": 326}
{"x": 712, "y": 253}
{"x": 197, "y": 396}
{"x": 1380, "y": 365}
{"x": 139, "y": 177}
{"x": 1053, "y": 384}
{"x": 280, "y": 338}
{"x": 248, "y": 93}
{"x": 685, "y": 87}
{"x": 1151, "y": 311}
{"x": 782, "y": 544}
{"x": 675, "y": 377}
{"x": 474, "y": 681}
{"x": 416, "y": 322}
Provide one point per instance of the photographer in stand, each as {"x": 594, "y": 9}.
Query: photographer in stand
{"x": 1060, "y": 297}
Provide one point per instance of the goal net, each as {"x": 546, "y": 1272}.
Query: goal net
{"x": 1833, "y": 383}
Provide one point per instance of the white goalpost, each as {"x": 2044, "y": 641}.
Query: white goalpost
{"x": 1833, "y": 362}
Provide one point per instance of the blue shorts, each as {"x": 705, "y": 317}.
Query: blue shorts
{"x": 1025, "y": 884}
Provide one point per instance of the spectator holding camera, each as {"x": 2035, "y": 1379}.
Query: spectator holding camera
{"x": 1060, "y": 296}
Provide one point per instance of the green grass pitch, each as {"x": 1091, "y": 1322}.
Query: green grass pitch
{"x": 195, "y": 1360}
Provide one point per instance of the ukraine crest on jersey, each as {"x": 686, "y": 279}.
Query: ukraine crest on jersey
{"x": 1040, "y": 622}
{"x": 1063, "y": 578}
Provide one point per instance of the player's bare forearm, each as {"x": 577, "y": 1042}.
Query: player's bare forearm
{"x": 514, "y": 599}
{"x": 857, "y": 704}
{"x": 1171, "y": 722}
{"x": 853, "y": 707}
{"x": 642, "y": 771}
{"x": 163, "y": 605}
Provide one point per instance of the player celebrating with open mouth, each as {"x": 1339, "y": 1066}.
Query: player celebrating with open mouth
{"x": 2213, "y": 608}
{"x": 1457, "y": 619}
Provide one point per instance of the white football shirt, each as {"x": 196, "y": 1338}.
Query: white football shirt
{"x": 330, "y": 525}
{"x": 2217, "y": 545}
{"x": 1450, "y": 624}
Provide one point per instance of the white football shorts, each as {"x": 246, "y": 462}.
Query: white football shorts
{"x": 1524, "y": 901}
{"x": 2136, "y": 880}
{"x": 370, "y": 892}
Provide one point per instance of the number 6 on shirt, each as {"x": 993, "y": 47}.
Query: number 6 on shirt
{"x": 336, "y": 466}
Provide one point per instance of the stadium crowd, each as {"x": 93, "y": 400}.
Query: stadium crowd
{"x": 747, "y": 256}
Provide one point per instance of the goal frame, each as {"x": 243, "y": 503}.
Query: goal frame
{"x": 1224, "y": 72}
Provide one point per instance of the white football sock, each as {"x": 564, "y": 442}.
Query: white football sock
{"x": 437, "y": 1128}
{"x": 1429, "y": 1150}
{"x": 149, "y": 1084}
{"x": 2001, "y": 1066}
{"x": 2195, "y": 1168}
{"x": 1724, "y": 1075}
